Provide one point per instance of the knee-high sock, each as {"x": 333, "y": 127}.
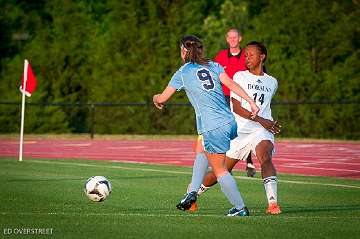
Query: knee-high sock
{"x": 229, "y": 188}
{"x": 270, "y": 185}
{"x": 199, "y": 170}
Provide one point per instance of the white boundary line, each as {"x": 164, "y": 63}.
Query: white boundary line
{"x": 188, "y": 173}
{"x": 301, "y": 165}
{"x": 164, "y": 215}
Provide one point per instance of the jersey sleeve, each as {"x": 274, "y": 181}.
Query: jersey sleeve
{"x": 275, "y": 87}
{"x": 217, "y": 68}
{"x": 177, "y": 81}
{"x": 237, "y": 78}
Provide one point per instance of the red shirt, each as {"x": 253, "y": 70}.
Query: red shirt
{"x": 231, "y": 64}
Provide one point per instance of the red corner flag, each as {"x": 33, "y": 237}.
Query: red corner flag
{"x": 28, "y": 79}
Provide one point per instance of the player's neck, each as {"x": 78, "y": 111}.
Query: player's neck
{"x": 234, "y": 50}
{"x": 257, "y": 71}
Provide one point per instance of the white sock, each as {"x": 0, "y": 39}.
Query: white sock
{"x": 270, "y": 185}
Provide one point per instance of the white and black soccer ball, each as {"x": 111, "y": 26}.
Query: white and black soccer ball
{"x": 97, "y": 188}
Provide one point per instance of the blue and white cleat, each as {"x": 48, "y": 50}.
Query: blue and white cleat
{"x": 243, "y": 212}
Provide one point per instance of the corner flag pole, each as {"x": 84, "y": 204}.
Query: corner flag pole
{"x": 26, "y": 64}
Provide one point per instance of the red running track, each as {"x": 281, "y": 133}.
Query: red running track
{"x": 337, "y": 159}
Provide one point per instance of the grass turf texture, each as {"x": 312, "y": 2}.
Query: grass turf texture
{"x": 49, "y": 194}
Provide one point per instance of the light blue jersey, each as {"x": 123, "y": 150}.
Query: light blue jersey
{"x": 203, "y": 88}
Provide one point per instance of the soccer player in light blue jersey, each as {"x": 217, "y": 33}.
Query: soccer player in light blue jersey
{"x": 254, "y": 135}
{"x": 201, "y": 79}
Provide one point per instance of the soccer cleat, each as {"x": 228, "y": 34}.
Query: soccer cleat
{"x": 202, "y": 189}
{"x": 187, "y": 202}
{"x": 250, "y": 170}
{"x": 273, "y": 209}
{"x": 243, "y": 212}
{"x": 194, "y": 207}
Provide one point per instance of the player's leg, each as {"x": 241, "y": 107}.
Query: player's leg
{"x": 199, "y": 144}
{"x": 236, "y": 153}
{"x": 227, "y": 184}
{"x": 216, "y": 144}
{"x": 250, "y": 167}
{"x": 199, "y": 168}
{"x": 264, "y": 151}
{"x": 210, "y": 178}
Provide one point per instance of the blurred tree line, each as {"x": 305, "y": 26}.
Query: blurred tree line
{"x": 125, "y": 51}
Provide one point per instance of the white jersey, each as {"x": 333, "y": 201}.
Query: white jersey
{"x": 262, "y": 89}
{"x": 251, "y": 133}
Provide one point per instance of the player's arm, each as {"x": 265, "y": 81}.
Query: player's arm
{"x": 273, "y": 126}
{"x": 233, "y": 86}
{"x": 160, "y": 99}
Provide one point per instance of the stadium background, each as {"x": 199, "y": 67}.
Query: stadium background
{"x": 98, "y": 63}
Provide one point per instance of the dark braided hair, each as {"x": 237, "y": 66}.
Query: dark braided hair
{"x": 194, "y": 50}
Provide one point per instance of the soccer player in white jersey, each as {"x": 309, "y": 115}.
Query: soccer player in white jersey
{"x": 201, "y": 79}
{"x": 254, "y": 135}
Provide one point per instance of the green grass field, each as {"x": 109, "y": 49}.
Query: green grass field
{"x": 38, "y": 193}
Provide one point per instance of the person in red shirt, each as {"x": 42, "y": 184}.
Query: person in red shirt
{"x": 232, "y": 60}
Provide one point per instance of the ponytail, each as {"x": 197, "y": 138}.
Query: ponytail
{"x": 194, "y": 50}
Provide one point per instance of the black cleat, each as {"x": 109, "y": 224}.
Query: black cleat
{"x": 250, "y": 170}
{"x": 186, "y": 203}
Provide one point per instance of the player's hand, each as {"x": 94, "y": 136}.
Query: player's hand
{"x": 273, "y": 126}
{"x": 254, "y": 110}
{"x": 157, "y": 105}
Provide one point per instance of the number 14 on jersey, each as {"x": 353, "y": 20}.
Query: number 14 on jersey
{"x": 261, "y": 98}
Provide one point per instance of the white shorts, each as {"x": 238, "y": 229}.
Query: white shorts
{"x": 245, "y": 143}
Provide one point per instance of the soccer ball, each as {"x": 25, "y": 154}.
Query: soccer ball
{"x": 97, "y": 188}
